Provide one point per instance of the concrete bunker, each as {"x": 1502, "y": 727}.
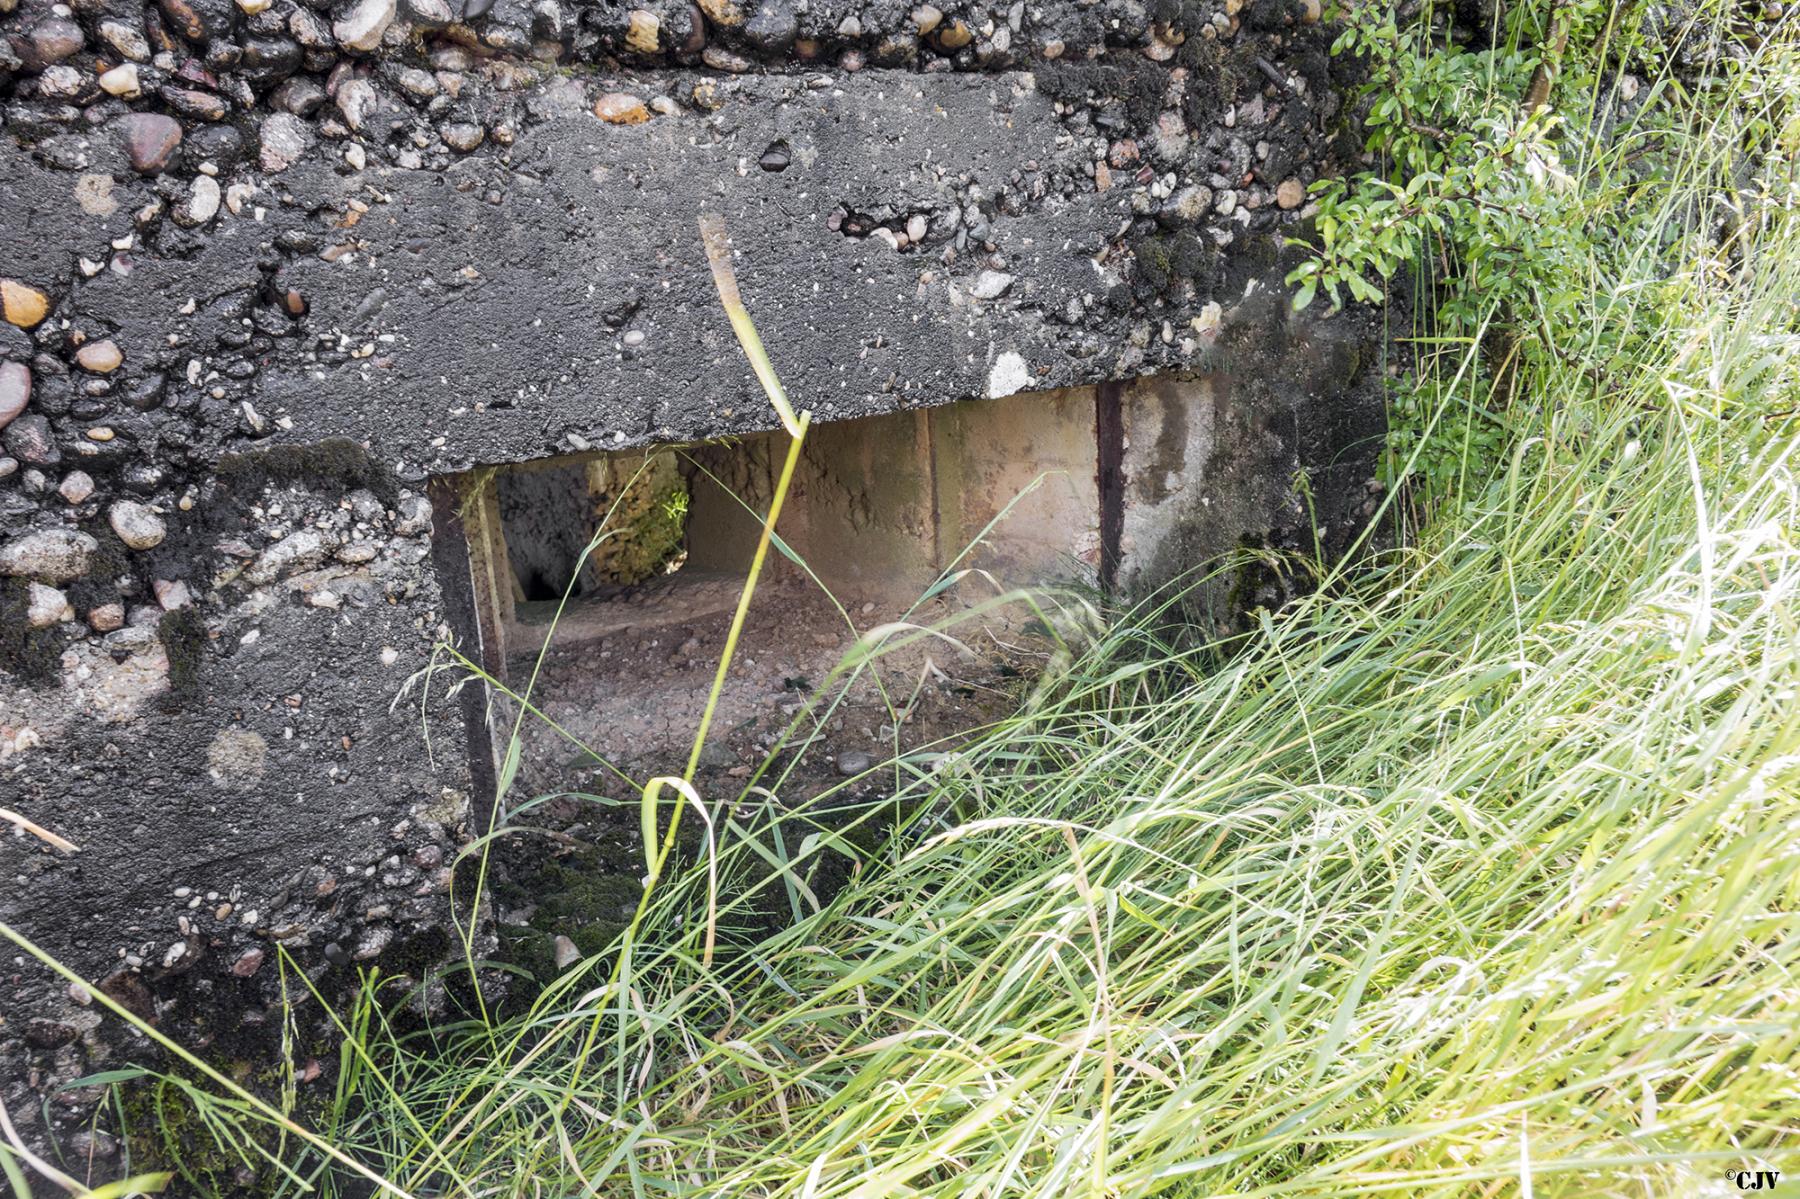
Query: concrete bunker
{"x": 268, "y": 300}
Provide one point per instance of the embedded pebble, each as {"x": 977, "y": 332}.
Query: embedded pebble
{"x": 990, "y": 285}
{"x": 361, "y": 26}
{"x": 621, "y": 108}
{"x": 121, "y": 81}
{"x": 22, "y": 304}
{"x": 15, "y": 390}
{"x": 171, "y": 594}
{"x": 422, "y": 84}
{"x": 642, "y": 30}
{"x": 773, "y": 29}
{"x": 78, "y": 486}
{"x": 954, "y": 36}
{"x": 1191, "y": 203}
{"x": 721, "y": 59}
{"x": 853, "y": 762}
{"x": 49, "y": 555}
{"x": 300, "y": 95}
{"x": 53, "y": 40}
{"x": 1291, "y": 193}
{"x": 62, "y": 82}
{"x": 102, "y": 357}
{"x": 723, "y": 13}
{"x": 356, "y": 100}
{"x": 284, "y": 140}
{"x": 106, "y": 618}
{"x": 462, "y": 136}
{"x": 46, "y": 606}
{"x": 193, "y": 102}
{"x": 414, "y": 516}
{"x": 31, "y": 440}
{"x": 300, "y": 550}
{"x": 127, "y": 40}
{"x": 150, "y": 140}
{"x": 136, "y": 525}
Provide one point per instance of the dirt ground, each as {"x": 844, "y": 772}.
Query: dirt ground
{"x": 626, "y": 678}
{"x": 621, "y": 688}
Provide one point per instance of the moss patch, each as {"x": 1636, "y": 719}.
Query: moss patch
{"x": 33, "y": 656}
{"x": 579, "y": 899}
{"x": 1165, "y": 262}
{"x": 1137, "y": 84}
{"x": 335, "y": 462}
{"x": 184, "y": 640}
{"x": 649, "y": 523}
{"x": 1216, "y": 75}
{"x": 110, "y": 561}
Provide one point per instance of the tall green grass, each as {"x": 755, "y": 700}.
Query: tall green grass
{"x": 1476, "y": 872}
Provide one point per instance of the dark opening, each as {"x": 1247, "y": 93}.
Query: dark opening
{"x": 550, "y": 515}
{"x": 995, "y": 493}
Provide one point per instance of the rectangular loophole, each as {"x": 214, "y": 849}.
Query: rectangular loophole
{"x": 1003, "y": 491}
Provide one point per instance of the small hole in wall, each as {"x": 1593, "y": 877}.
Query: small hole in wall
{"x": 553, "y": 517}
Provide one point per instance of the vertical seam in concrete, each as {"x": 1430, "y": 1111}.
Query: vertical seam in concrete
{"x": 452, "y": 555}
{"x": 1109, "y": 477}
{"x": 927, "y": 421}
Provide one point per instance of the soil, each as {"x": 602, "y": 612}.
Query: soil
{"x": 623, "y": 684}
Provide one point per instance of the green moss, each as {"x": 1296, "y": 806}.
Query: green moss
{"x": 419, "y": 955}
{"x": 580, "y": 900}
{"x": 110, "y": 561}
{"x": 336, "y": 461}
{"x": 1137, "y": 84}
{"x": 1216, "y": 73}
{"x": 649, "y": 523}
{"x": 33, "y": 656}
{"x": 1181, "y": 16}
{"x": 184, "y": 639}
{"x": 1273, "y": 16}
{"x": 164, "y": 1132}
{"x": 1165, "y": 262}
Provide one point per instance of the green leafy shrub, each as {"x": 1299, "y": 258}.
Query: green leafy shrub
{"x": 1519, "y": 179}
